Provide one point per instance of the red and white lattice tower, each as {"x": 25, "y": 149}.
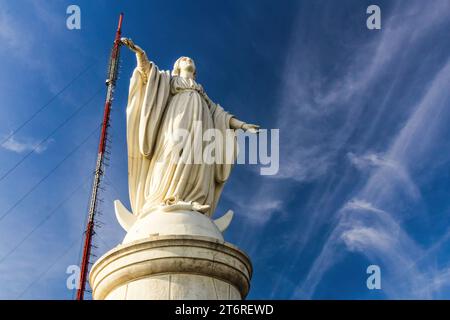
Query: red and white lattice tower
{"x": 111, "y": 83}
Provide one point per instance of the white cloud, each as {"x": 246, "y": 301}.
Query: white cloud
{"x": 376, "y": 234}
{"x": 380, "y": 236}
{"x": 359, "y": 238}
{"x": 372, "y": 222}
{"x": 261, "y": 211}
{"x": 395, "y": 171}
{"x": 25, "y": 145}
{"x": 258, "y": 206}
{"x": 309, "y": 102}
{"x": 358, "y": 204}
{"x": 370, "y": 160}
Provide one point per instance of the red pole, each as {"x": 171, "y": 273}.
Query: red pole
{"x": 111, "y": 83}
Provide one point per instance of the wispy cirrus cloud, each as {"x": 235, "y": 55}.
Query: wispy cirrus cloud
{"x": 364, "y": 227}
{"x": 375, "y": 233}
{"x": 25, "y": 144}
{"x": 310, "y": 101}
{"x": 370, "y": 160}
{"x": 400, "y": 178}
{"x": 372, "y": 220}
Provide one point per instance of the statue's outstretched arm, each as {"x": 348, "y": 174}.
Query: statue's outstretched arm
{"x": 238, "y": 124}
{"x": 142, "y": 61}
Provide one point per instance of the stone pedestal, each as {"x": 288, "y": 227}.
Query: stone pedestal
{"x": 172, "y": 267}
{"x": 173, "y": 255}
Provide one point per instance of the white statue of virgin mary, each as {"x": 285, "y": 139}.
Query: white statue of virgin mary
{"x": 161, "y": 104}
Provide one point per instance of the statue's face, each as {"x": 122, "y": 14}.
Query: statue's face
{"x": 187, "y": 64}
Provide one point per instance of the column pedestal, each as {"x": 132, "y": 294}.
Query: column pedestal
{"x": 172, "y": 267}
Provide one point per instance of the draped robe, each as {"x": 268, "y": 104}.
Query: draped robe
{"x": 158, "y": 105}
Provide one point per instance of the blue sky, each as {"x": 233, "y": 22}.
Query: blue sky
{"x": 364, "y": 140}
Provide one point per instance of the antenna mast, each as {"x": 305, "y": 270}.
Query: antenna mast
{"x": 111, "y": 83}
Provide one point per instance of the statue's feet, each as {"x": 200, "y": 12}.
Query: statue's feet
{"x": 174, "y": 203}
{"x": 203, "y": 208}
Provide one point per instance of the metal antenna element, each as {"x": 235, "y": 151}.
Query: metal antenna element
{"x": 111, "y": 83}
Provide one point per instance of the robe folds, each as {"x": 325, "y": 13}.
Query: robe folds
{"x": 159, "y": 105}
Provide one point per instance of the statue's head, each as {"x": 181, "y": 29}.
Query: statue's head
{"x": 185, "y": 64}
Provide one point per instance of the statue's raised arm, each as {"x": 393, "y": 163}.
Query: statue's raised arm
{"x": 141, "y": 57}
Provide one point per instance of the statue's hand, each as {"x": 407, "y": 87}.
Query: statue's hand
{"x": 252, "y": 128}
{"x": 130, "y": 44}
